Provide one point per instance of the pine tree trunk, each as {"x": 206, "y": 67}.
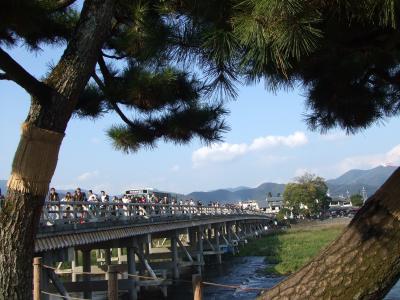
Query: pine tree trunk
{"x": 19, "y": 220}
{"x": 36, "y": 157}
{"x": 363, "y": 263}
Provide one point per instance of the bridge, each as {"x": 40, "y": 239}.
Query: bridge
{"x": 150, "y": 244}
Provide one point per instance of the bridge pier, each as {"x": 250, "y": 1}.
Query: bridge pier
{"x": 147, "y": 243}
{"x": 209, "y": 233}
{"x": 74, "y": 264}
{"x": 139, "y": 251}
{"x": 192, "y": 238}
{"x": 86, "y": 267}
{"x": 216, "y": 235}
{"x": 131, "y": 260}
{"x": 205, "y": 231}
{"x": 174, "y": 254}
{"x": 200, "y": 253}
{"x": 44, "y": 277}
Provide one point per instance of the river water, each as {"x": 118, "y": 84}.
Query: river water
{"x": 244, "y": 271}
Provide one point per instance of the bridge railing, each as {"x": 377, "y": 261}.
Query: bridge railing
{"x": 67, "y": 212}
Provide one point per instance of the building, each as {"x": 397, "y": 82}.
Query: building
{"x": 274, "y": 204}
{"x": 249, "y": 204}
{"x": 339, "y": 202}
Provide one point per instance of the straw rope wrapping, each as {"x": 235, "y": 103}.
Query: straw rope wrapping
{"x": 35, "y": 160}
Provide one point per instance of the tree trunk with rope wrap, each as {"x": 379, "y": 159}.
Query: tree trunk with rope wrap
{"x": 363, "y": 263}
{"x": 36, "y": 157}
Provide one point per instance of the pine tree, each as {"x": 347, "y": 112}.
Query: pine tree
{"x": 345, "y": 56}
{"x": 144, "y": 56}
{"x": 120, "y": 56}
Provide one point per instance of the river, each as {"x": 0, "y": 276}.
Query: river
{"x": 244, "y": 271}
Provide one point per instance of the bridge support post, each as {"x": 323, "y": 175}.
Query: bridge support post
{"x": 86, "y": 266}
{"x": 216, "y": 234}
{"x": 139, "y": 251}
{"x": 37, "y": 270}
{"x": 192, "y": 238}
{"x": 107, "y": 259}
{"x": 229, "y": 232}
{"x": 174, "y": 252}
{"x": 148, "y": 245}
{"x": 74, "y": 264}
{"x": 132, "y": 270}
{"x": 200, "y": 257}
{"x": 112, "y": 291}
{"x": 119, "y": 251}
{"x": 44, "y": 277}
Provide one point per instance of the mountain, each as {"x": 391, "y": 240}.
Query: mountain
{"x": 3, "y": 186}
{"x": 355, "y": 180}
{"x": 373, "y": 177}
{"x": 237, "y": 188}
{"x": 227, "y": 196}
{"x": 352, "y": 181}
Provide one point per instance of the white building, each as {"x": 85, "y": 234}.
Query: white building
{"x": 340, "y": 201}
{"x": 249, "y": 204}
{"x": 274, "y": 204}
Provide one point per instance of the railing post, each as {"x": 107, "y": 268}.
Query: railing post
{"x": 37, "y": 270}
{"x": 112, "y": 292}
{"x": 196, "y": 282}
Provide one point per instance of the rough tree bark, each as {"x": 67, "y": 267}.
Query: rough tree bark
{"x": 43, "y": 131}
{"x": 363, "y": 263}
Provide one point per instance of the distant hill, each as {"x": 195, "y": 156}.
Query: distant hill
{"x": 225, "y": 196}
{"x": 352, "y": 181}
{"x": 373, "y": 177}
{"x": 3, "y": 186}
{"x": 237, "y": 188}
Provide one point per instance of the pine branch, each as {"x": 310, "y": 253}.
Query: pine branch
{"x": 19, "y": 75}
{"x": 113, "y": 56}
{"x": 61, "y": 4}
{"x": 4, "y": 76}
{"x": 104, "y": 70}
{"x": 98, "y": 81}
{"x": 112, "y": 103}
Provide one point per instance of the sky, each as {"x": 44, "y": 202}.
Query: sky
{"x": 268, "y": 142}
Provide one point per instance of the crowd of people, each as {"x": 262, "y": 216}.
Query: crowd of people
{"x": 58, "y": 207}
{"x": 81, "y": 196}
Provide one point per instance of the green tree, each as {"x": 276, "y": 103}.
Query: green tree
{"x": 129, "y": 54}
{"x": 120, "y": 56}
{"x": 345, "y": 56}
{"x": 356, "y": 200}
{"x": 306, "y": 196}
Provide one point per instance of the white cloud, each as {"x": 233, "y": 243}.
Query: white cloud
{"x": 227, "y": 152}
{"x": 392, "y": 157}
{"x": 88, "y": 175}
{"x": 175, "y": 168}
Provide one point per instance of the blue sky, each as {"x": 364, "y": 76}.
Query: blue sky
{"x": 268, "y": 141}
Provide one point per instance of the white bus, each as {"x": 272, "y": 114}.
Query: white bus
{"x": 153, "y": 195}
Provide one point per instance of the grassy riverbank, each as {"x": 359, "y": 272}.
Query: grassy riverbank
{"x": 289, "y": 250}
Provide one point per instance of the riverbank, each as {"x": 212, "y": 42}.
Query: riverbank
{"x": 287, "y": 251}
